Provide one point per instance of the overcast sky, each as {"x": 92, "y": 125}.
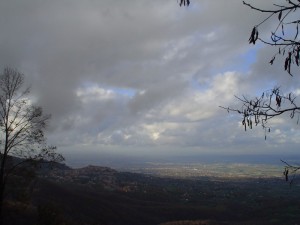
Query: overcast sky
{"x": 144, "y": 76}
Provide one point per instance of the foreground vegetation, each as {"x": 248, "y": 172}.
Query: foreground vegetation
{"x": 99, "y": 195}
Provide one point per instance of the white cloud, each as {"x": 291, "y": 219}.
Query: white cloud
{"x": 95, "y": 94}
{"x": 139, "y": 73}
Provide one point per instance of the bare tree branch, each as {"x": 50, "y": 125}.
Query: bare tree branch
{"x": 285, "y": 34}
{"x": 22, "y": 128}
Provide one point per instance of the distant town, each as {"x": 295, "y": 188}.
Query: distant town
{"x": 220, "y": 170}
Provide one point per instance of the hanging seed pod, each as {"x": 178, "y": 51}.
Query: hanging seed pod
{"x": 254, "y": 36}
{"x": 184, "y": 2}
{"x": 272, "y": 60}
{"x": 286, "y": 174}
{"x": 278, "y": 100}
{"x": 279, "y": 16}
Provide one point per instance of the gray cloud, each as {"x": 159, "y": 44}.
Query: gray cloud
{"x": 139, "y": 73}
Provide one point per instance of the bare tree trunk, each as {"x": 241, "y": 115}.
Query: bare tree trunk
{"x": 2, "y": 184}
{"x": 1, "y": 201}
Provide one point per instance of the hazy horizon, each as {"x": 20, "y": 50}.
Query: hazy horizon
{"x": 120, "y": 161}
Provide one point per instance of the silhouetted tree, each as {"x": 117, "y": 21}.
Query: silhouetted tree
{"x": 284, "y": 36}
{"x": 22, "y": 128}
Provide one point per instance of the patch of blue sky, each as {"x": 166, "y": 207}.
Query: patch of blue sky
{"x": 128, "y": 92}
{"x": 122, "y": 91}
{"x": 248, "y": 58}
{"x": 196, "y": 85}
{"x": 243, "y": 61}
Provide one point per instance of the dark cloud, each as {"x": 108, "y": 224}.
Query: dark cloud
{"x": 173, "y": 65}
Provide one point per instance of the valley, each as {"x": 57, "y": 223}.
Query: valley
{"x": 158, "y": 193}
